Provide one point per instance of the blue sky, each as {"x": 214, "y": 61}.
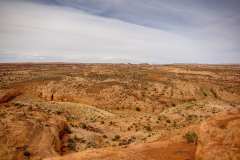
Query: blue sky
{"x": 116, "y": 31}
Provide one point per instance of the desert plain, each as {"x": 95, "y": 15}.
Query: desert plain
{"x": 61, "y": 111}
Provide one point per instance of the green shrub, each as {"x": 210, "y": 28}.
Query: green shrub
{"x": 91, "y": 145}
{"x": 148, "y": 128}
{"x": 124, "y": 142}
{"x": 105, "y": 136}
{"x": 116, "y": 137}
{"x": 191, "y": 137}
{"x": 191, "y": 117}
{"x": 72, "y": 144}
{"x": 189, "y": 105}
{"x": 174, "y": 124}
{"x": 83, "y": 125}
{"x": 18, "y": 104}
{"x": 67, "y": 129}
{"x": 205, "y": 93}
{"x": 138, "y": 109}
{"x": 26, "y": 153}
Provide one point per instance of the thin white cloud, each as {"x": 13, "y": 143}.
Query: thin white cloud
{"x": 29, "y": 28}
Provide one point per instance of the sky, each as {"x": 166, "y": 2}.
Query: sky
{"x": 120, "y": 31}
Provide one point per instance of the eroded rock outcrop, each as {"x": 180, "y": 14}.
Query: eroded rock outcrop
{"x": 162, "y": 150}
{"x": 26, "y": 132}
{"x": 219, "y": 137}
{"x": 7, "y": 95}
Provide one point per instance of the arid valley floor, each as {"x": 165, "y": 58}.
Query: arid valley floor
{"x": 63, "y": 111}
